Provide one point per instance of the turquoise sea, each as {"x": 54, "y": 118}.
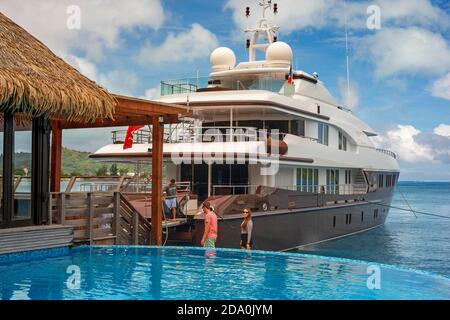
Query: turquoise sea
{"x": 421, "y": 243}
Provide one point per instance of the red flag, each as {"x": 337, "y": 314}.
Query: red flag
{"x": 291, "y": 76}
{"x": 128, "y": 143}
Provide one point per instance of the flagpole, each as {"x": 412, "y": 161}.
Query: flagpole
{"x": 346, "y": 52}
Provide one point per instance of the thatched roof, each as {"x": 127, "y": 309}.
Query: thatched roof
{"x": 35, "y": 81}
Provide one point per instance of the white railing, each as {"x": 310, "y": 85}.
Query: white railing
{"x": 341, "y": 189}
{"x": 385, "y": 151}
{"x": 388, "y": 152}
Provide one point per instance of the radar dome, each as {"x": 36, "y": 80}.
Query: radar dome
{"x": 279, "y": 55}
{"x": 222, "y": 59}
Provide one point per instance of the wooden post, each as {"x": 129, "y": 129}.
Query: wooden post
{"x": 90, "y": 202}
{"x": 62, "y": 209}
{"x": 55, "y": 157}
{"x": 116, "y": 218}
{"x": 157, "y": 157}
{"x": 135, "y": 221}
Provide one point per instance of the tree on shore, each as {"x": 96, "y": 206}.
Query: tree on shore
{"x": 102, "y": 171}
{"x": 114, "y": 171}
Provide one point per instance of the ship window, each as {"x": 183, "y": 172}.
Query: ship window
{"x": 301, "y": 128}
{"x": 350, "y": 218}
{"x": 296, "y": 127}
{"x": 334, "y": 221}
{"x": 342, "y": 142}
{"x": 323, "y": 133}
{"x": 348, "y": 176}
{"x": 362, "y": 216}
{"x": 332, "y": 181}
{"x": 308, "y": 180}
{"x": 375, "y": 213}
{"x": 380, "y": 181}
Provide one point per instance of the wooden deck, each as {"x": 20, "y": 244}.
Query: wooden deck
{"x": 35, "y": 238}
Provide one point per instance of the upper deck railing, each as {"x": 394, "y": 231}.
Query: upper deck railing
{"x": 388, "y": 152}
{"x": 188, "y": 85}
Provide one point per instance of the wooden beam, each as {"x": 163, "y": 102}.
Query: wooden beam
{"x": 149, "y": 107}
{"x": 55, "y": 157}
{"x": 119, "y": 121}
{"x": 157, "y": 157}
{"x": 141, "y": 120}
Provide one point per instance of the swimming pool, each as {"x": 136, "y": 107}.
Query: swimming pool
{"x": 129, "y": 272}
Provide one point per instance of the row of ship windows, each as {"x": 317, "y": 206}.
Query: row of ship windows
{"x": 348, "y": 217}
{"x": 308, "y": 180}
{"x": 391, "y": 180}
{"x": 323, "y": 133}
{"x": 295, "y": 127}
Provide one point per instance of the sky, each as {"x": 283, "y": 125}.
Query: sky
{"x": 399, "y": 59}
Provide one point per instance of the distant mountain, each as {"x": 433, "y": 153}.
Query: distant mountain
{"x": 73, "y": 163}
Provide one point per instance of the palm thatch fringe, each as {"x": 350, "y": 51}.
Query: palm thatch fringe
{"x": 35, "y": 81}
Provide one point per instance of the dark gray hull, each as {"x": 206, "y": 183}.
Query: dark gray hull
{"x": 289, "y": 229}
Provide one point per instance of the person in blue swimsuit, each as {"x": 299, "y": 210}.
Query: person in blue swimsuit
{"x": 171, "y": 197}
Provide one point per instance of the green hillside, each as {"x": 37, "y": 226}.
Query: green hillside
{"x": 74, "y": 163}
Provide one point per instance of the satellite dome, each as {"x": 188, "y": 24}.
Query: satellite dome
{"x": 279, "y": 55}
{"x": 222, "y": 59}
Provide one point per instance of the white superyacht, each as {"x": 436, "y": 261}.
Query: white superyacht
{"x": 272, "y": 139}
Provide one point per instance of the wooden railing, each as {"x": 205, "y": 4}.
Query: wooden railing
{"x": 99, "y": 217}
{"x": 130, "y": 226}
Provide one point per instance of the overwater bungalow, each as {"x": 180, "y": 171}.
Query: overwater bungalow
{"x": 41, "y": 95}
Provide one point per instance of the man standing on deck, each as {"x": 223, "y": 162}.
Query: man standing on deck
{"x": 210, "y": 233}
{"x": 171, "y": 197}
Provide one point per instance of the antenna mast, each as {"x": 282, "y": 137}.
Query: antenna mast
{"x": 346, "y": 53}
{"x": 263, "y": 28}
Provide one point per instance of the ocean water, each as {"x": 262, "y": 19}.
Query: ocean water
{"x": 421, "y": 243}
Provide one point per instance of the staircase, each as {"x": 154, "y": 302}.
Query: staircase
{"x": 360, "y": 184}
{"x": 131, "y": 227}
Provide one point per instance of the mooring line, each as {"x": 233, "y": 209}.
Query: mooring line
{"x": 403, "y": 209}
{"x": 407, "y": 203}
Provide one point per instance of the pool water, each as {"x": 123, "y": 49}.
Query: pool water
{"x": 124, "y": 272}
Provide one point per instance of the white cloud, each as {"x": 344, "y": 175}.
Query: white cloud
{"x": 394, "y": 13}
{"x": 415, "y": 146}
{"x": 401, "y": 140}
{"x": 442, "y": 130}
{"x": 102, "y": 21}
{"x": 349, "y": 98}
{"x": 292, "y": 15}
{"x": 152, "y": 93}
{"x": 411, "y": 50}
{"x": 441, "y": 87}
{"x": 299, "y": 14}
{"x": 115, "y": 81}
{"x": 188, "y": 46}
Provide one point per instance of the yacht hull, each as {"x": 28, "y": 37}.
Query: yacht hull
{"x": 289, "y": 229}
